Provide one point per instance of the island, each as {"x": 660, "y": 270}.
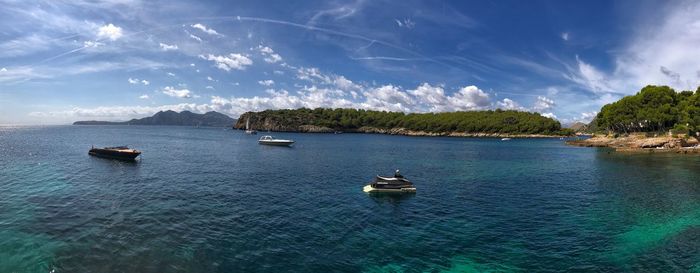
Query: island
{"x": 656, "y": 119}
{"x": 491, "y": 123}
{"x": 184, "y": 118}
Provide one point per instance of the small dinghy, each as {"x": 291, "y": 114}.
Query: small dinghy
{"x": 269, "y": 140}
{"x": 395, "y": 184}
{"x": 119, "y": 152}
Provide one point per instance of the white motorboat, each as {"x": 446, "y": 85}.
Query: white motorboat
{"x": 505, "y": 139}
{"x": 269, "y": 140}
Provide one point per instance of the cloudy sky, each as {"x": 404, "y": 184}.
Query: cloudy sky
{"x": 62, "y": 61}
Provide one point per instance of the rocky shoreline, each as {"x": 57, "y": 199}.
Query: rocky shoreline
{"x": 639, "y": 143}
{"x": 393, "y": 131}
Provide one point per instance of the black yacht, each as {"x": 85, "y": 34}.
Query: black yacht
{"x": 119, "y": 152}
{"x": 395, "y": 184}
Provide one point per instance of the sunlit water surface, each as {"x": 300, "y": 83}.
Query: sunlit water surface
{"x": 213, "y": 200}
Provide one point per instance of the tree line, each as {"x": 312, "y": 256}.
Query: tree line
{"x": 492, "y": 121}
{"x": 653, "y": 109}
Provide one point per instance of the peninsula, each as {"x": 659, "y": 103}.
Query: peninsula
{"x": 492, "y": 123}
{"x": 184, "y": 118}
{"x": 657, "y": 119}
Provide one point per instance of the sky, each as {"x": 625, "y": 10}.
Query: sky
{"x": 62, "y": 61}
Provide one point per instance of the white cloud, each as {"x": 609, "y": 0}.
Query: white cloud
{"x": 196, "y": 37}
{"x": 543, "y": 104}
{"x": 273, "y": 58}
{"x": 388, "y": 98}
{"x": 470, "y": 98}
{"x": 565, "y": 36}
{"x": 549, "y": 115}
{"x": 430, "y": 98}
{"x": 90, "y": 44}
{"x": 167, "y": 47}
{"x": 171, "y": 74}
{"x": 24, "y": 45}
{"x": 310, "y": 97}
{"x": 424, "y": 97}
{"x": 508, "y": 104}
{"x": 586, "y": 117}
{"x": 209, "y": 78}
{"x": 136, "y": 81}
{"x": 230, "y": 61}
{"x": 206, "y": 30}
{"x": 338, "y": 12}
{"x": 278, "y": 72}
{"x": 209, "y": 87}
{"x": 48, "y": 71}
{"x": 192, "y": 65}
{"x": 109, "y": 31}
{"x": 269, "y": 54}
{"x": 177, "y": 93}
{"x": 3, "y": 70}
{"x": 266, "y": 82}
{"x": 662, "y": 52}
{"x": 407, "y": 23}
{"x": 590, "y": 77}
{"x": 144, "y": 97}
{"x": 122, "y": 112}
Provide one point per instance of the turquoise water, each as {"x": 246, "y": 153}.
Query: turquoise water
{"x": 213, "y": 200}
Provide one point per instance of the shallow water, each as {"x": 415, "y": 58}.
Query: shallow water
{"x": 213, "y": 200}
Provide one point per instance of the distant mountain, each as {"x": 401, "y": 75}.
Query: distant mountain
{"x": 184, "y": 118}
{"x": 578, "y": 126}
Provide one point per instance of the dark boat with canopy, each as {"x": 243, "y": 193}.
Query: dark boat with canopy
{"x": 395, "y": 184}
{"x": 118, "y": 152}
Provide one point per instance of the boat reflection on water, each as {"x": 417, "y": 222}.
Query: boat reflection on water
{"x": 389, "y": 198}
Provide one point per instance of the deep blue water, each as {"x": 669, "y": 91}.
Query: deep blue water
{"x": 213, "y": 200}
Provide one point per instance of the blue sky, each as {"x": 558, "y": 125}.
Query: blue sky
{"x": 62, "y": 61}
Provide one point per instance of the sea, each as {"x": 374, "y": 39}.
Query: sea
{"x": 214, "y": 200}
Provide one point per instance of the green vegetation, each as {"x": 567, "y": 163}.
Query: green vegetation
{"x": 498, "y": 121}
{"x": 654, "y": 108}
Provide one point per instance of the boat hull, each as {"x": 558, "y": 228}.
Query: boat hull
{"x": 275, "y": 143}
{"x": 112, "y": 154}
{"x": 370, "y": 189}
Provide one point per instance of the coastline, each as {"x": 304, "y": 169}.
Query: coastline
{"x": 639, "y": 143}
{"x": 405, "y": 132}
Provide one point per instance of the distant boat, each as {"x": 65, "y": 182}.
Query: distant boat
{"x": 505, "y": 139}
{"x": 247, "y": 128}
{"x": 396, "y": 184}
{"x": 269, "y": 140}
{"x": 119, "y": 152}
